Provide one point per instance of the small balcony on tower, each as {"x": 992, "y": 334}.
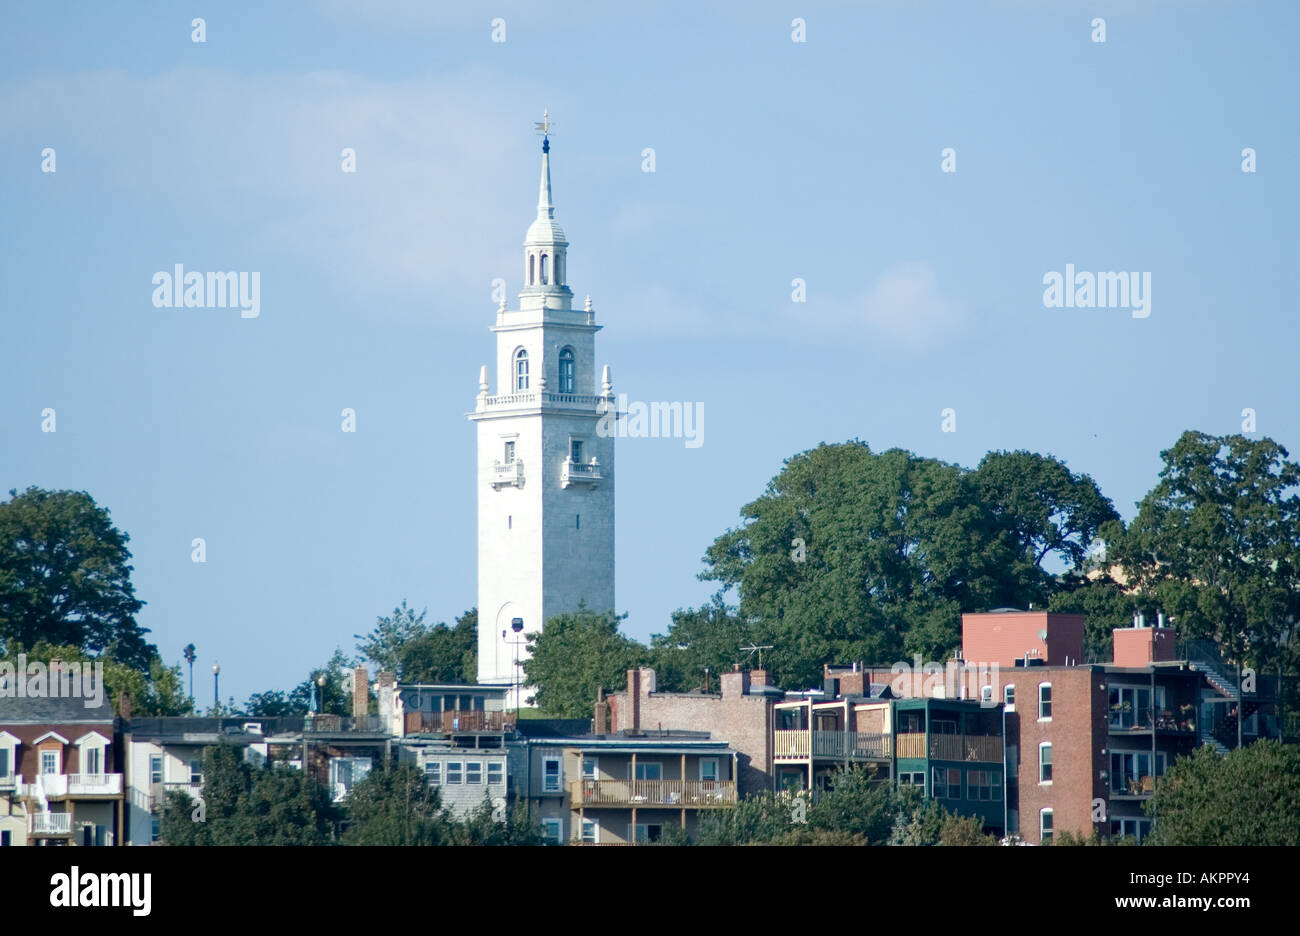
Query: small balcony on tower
{"x": 579, "y": 472}
{"x": 508, "y": 473}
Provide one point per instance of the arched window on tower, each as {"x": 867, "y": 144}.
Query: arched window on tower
{"x": 543, "y": 269}
{"x": 531, "y": 261}
{"x": 566, "y": 370}
{"x": 559, "y": 269}
{"x": 521, "y": 369}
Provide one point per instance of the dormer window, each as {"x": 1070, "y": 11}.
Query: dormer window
{"x": 566, "y": 370}
{"x": 521, "y": 369}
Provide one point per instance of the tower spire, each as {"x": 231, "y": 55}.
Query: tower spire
{"x": 545, "y": 209}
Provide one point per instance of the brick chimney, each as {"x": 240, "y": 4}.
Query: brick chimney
{"x": 600, "y": 721}
{"x": 735, "y": 683}
{"x": 633, "y": 701}
{"x": 758, "y": 677}
{"x": 360, "y": 692}
{"x": 1142, "y": 646}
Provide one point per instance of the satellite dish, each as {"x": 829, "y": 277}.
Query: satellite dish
{"x": 1042, "y": 635}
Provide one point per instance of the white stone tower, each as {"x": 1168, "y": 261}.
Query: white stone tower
{"x": 545, "y": 480}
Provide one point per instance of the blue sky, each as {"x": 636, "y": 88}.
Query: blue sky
{"x": 774, "y": 160}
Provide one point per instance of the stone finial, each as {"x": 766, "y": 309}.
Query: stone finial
{"x": 482, "y": 379}
{"x": 587, "y": 305}
{"x": 606, "y": 380}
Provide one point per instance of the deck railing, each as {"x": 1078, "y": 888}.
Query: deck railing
{"x": 681, "y": 794}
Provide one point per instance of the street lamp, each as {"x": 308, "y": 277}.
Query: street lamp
{"x": 517, "y": 625}
{"x": 216, "y": 683}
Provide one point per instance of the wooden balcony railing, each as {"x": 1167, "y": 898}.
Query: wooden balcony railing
{"x": 677, "y": 794}
{"x": 950, "y": 747}
{"x": 458, "y": 720}
{"x": 839, "y": 745}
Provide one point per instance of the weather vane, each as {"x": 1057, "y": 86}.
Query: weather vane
{"x": 545, "y": 128}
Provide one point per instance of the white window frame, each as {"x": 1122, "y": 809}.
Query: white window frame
{"x": 1045, "y": 834}
{"x": 1041, "y": 687}
{"x": 1044, "y": 746}
{"x": 473, "y": 768}
{"x": 455, "y": 773}
{"x": 717, "y": 769}
{"x": 162, "y": 768}
{"x": 196, "y": 767}
{"x": 89, "y": 742}
{"x": 9, "y": 744}
{"x": 496, "y": 773}
{"x": 594, "y": 772}
{"x": 986, "y": 695}
{"x": 594, "y": 830}
{"x": 558, "y": 786}
{"x": 554, "y": 830}
{"x": 58, "y": 762}
{"x": 433, "y": 772}
{"x": 1009, "y": 696}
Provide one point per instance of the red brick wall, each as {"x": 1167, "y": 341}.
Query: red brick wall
{"x": 1141, "y": 646}
{"x": 1005, "y": 638}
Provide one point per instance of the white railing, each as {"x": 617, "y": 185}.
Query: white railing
{"x": 47, "y": 823}
{"x": 85, "y": 784}
{"x": 508, "y": 473}
{"x": 541, "y": 397}
{"x": 578, "y": 473}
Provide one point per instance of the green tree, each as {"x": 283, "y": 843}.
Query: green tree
{"x": 857, "y": 804}
{"x": 383, "y": 645}
{"x": 1250, "y": 796}
{"x": 158, "y": 690}
{"x": 1105, "y": 605}
{"x": 65, "y": 577}
{"x": 1216, "y": 545}
{"x": 574, "y": 656}
{"x": 394, "y": 805}
{"x": 708, "y": 637}
{"x": 483, "y": 827}
{"x": 442, "y": 654}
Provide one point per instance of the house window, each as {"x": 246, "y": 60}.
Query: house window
{"x": 644, "y": 833}
{"x": 433, "y": 773}
{"x": 4, "y": 762}
{"x": 196, "y": 772}
{"x": 913, "y": 778}
{"x": 575, "y": 451}
{"x": 49, "y": 762}
{"x": 984, "y": 785}
{"x": 1044, "y": 701}
{"x": 155, "y": 828}
{"x": 709, "y": 769}
{"x": 986, "y": 695}
{"x": 954, "y": 783}
{"x": 551, "y": 775}
{"x": 94, "y": 763}
{"x": 1009, "y": 694}
{"x": 1045, "y": 826}
{"x": 590, "y": 831}
{"x": 496, "y": 773}
{"x": 5, "y": 841}
{"x": 521, "y": 369}
{"x": 566, "y": 370}
{"x": 474, "y": 772}
{"x": 1045, "y": 762}
{"x": 510, "y": 452}
{"x": 553, "y": 831}
{"x": 455, "y": 772}
{"x": 649, "y": 771}
{"x": 155, "y": 768}
{"x": 947, "y": 783}
{"x": 347, "y": 772}
{"x": 942, "y": 726}
{"x": 590, "y": 768}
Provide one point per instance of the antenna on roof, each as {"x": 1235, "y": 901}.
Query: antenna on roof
{"x": 759, "y": 650}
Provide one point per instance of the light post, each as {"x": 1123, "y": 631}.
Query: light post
{"x": 216, "y": 684}
{"x": 517, "y": 625}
